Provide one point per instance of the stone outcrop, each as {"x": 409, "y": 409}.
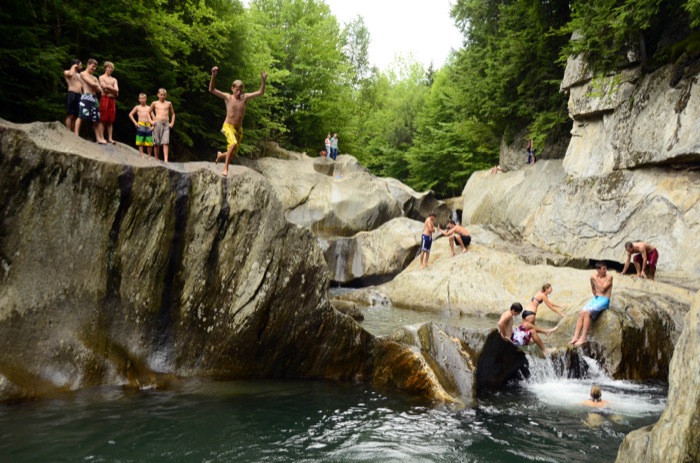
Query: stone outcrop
{"x": 513, "y": 155}
{"x": 675, "y": 438}
{"x": 341, "y": 198}
{"x": 121, "y": 270}
{"x": 633, "y": 339}
{"x": 593, "y": 218}
{"x": 375, "y": 256}
{"x": 628, "y": 121}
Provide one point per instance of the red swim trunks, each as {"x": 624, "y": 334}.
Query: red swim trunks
{"x": 652, "y": 259}
{"x": 108, "y": 109}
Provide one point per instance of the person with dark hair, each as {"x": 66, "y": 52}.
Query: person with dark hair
{"x": 601, "y": 286}
{"x": 89, "y": 101}
{"x": 75, "y": 90}
{"x": 596, "y": 399}
{"x": 457, "y": 233}
{"x": 645, "y": 258}
{"x": 523, "y": 333}
{"x": 426, "y": 241}
{"x": 530, "y": 313}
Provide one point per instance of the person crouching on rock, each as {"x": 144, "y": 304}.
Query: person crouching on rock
{"x": 525, "y": 332}
{"x": 457, "y": 233}
{"x": 426, "y": 240}
{"x": 645, "y": 258}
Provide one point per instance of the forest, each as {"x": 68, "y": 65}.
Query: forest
{"x": 430, "y": 128}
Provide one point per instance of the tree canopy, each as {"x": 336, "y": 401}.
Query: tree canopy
{"x": 430, "y": 128}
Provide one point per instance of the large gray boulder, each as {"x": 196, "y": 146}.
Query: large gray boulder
{"x": 593, "y": 218}
{"x": 127, "y": 271}
{"x": 675, "y": 438}
{"x": 341, "y": 198}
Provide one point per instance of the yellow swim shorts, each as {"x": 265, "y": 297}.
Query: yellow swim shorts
{"x": 233, "y": 136}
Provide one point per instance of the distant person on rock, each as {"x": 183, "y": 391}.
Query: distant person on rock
{"x": 328, "y": 144}
{"x": 164, "y": 115}
{"x": 235, "y": 111}
{"x": 108, "y": 102}
{"x": 427, "y": 240}
{"x": 645, "y": 258}
{"x": 523, "y": 333}
{"x": 334, "y": 146}
{"x": 601, "y": 286}
{"x": 531, "y": 156}
{"x": 144, "y": 125}
{"x": 530, "y": 313}
{"x": 89, "y": 103}
{"x": 75, "y": 90}
{"x": 459, "y": 234}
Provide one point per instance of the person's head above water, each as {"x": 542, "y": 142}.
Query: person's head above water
{"x": 596, "y": 393}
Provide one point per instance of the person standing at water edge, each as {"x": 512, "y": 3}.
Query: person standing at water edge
{"x": 334, "y": 146}
{"x": 165, "y": 120}
{"x": 645, "y": 257}
{"x": 530, "y": 313}
{"x": 235, "y": 111}
{"x": 525, "y": 332}
{"x": 89, "y": 104}
{"x": 427, "y": 240}
{"x": 75, "y": 90}
{"x": 108, "y": 102}
{"x": 601, "y": 286}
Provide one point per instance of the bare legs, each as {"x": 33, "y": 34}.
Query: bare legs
{"x": 109, "y": 127}
{"x": 457, "y": 238}
{"x": 231, "y": 150}
{"x": 95, "y": 128}
{"x": 70, "y": 122}
{"x": 536, "y": 337}
{"x": 427, "y": 258}
{"x": 581, "y": 331}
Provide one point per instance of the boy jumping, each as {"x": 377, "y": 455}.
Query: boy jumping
{"x": 235, "y": 110}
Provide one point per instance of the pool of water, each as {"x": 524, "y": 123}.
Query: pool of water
{"x": 313, "y": 421}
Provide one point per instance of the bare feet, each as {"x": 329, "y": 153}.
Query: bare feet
{"x": 422, "y": 266}
{"x": 101, "y": 142}
{"x": 573, "y": 341}
{"x": 582, "y": 342}
{"x": 464, "y": 250}
{"x": 219, "y": 155}
{"x": 552, "y": 330}
{"x": 112, "y": 142}
{"x": 545, "y": 352}
{"x": 453, "y": 254}
{"x": 224, "y": 173}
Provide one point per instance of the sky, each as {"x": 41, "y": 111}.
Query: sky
{"x": 402, "y": 27}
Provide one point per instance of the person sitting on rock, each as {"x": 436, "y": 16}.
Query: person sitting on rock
{"x": 523, "y": 333}
{"x": 596, "y": 399}
{"x": 645, "y": 258}
{"x": 427, "y": 240}
{"x": 601, "y": 286}
{"x": 457, "y": 233}
{"x": 530, "y": 313}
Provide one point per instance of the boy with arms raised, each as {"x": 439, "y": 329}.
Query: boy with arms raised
{"x": 164, "y": 121}
{"x": 235, "y": 110}
{"x": 89, "y": 104}
{"x": 75, "y": 90}
{"x": 108, "y": 102}
{"x": 144, "y": 125}
{"x": 524, "y": 332}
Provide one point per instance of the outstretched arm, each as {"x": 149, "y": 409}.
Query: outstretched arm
{"x": 554, "y": 307}
{"x": 212, "y": 84}
{"x": 261, "y": 91}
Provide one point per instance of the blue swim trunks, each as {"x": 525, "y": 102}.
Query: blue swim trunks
{"x": 426, "y": 242}
{"x": 597, "y": 305}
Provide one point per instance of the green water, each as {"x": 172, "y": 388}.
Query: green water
{"x": 313, "y": 421}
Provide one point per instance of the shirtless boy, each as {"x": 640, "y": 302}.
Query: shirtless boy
{"x": 457, "y": 233}
{"x": 144, "y": 125}
{"x": 426, "y": 240}
{"x": 89, "y": 104}
{"x": 235, "y": 110}
{"x": 164, "y": 121}
{"x": 601, "y": 286}
{"x": 75, "y": 89}
{"x": 108, "y": 102}
{"x": 646, "y": 257}
{"x": 525, "y": 332}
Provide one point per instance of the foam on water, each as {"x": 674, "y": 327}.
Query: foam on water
{"x": 624, "y": 397}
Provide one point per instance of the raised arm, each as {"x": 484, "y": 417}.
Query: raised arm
{"x": 72, "y": 71}
{"x": 261, "y": 91}
{"x": 212, "y": 84}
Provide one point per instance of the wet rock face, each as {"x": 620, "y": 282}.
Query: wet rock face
{"x": 675, "y": 438}
{"x": 117, "y": 270}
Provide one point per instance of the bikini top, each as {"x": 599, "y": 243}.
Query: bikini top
{"x": 535, "y": 299}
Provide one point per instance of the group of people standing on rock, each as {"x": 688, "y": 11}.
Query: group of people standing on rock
{"x": 456, "y": 234}
{"x": 645, "y": 258}
{"x": 152, "y": 122}
{"x": 331, "y": 146}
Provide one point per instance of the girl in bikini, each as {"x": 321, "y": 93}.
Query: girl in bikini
{"x": 530, "y": 313}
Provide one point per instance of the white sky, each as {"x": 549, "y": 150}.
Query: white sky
{"x": 402, "y": 27}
